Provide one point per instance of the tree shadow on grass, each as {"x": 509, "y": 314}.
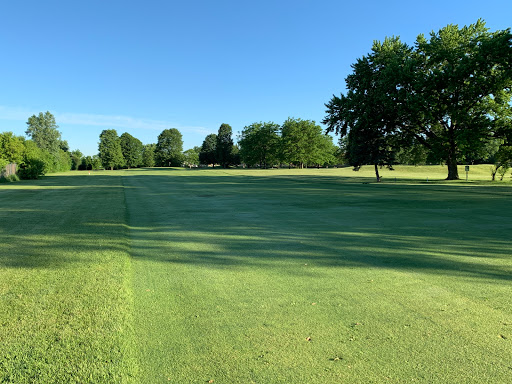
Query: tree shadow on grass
{"x": 281, "y": 222}
{"x": 238, "y": 221}
{"x": 60, "y": 221}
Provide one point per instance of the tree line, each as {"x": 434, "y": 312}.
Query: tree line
{"x": 297, "y": 142}
{"x": 447, "y": 98}
{"x": 44, "y": 151}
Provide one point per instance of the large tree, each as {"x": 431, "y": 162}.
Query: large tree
{"x": 148, "y": 155}
{"x": 259, "y": 144}
{"x": 443, "y": 93}
{"x": 224, "y": 148}
{"x": 208, "y": 153}
{"x": 169, "y": 148}
{"x": 43, "y": 130}
{"x": 303, "y": 143}
{"x": 191, "y": 157}
{"x": 132, "y": 150}
{"x": 110, "y": 151}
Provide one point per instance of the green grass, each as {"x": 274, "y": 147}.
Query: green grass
{"x": 256, "y": 276}
{"x": 65, "y": 273}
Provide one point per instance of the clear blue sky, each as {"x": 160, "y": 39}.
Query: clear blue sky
{"x": 144, "y": 66}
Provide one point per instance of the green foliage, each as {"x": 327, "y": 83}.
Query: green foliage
{"x": 32, "y": 168}
{"x": 11, "y": 147}
{"x": 110, "y": 151}
{"x": 76, "y": 159}
{"x": 36, "y": 161}
{"x": 191, "y": 157}
{"x": 42, "y": 129}
{"x": 131, "y": 148}
{"x": 303, "y": 143}
{"x": 502, "y": 162}
{"x": 260, "y": 144}
{"x": 224, "y": 148}
{"x": 148, "y": 155}
{"x": 208, "y": 153}
{"x": 169, "y": 148}
{"x": 449, "y": 93}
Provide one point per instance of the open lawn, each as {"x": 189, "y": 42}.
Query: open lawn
{"x": 256, "y": 276}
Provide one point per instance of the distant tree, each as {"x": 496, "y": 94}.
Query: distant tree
{"x": 303, "y": 143}
{"x": 169, "y": 148}
{"x": 148, "y": 155}
{"x": 208, "y": 153}
{"x": 43, "y": 130}
{"x": 224, "y": 148}
{"x": 76, "y": 159}
{"x": 235, "y": 155}
{"x": 110, "y": 151}
{"x": 86, "y": 163}
{"x": 259, "y": 144}
{"x": 191, "y": 156}
{"x": 96, "y": 162}
{"x": 131, "y": 148}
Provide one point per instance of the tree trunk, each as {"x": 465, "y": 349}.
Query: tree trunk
{"x": 451, "y": 162}
{"x": 377, "y": 173}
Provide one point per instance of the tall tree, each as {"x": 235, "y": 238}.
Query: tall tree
{"x": 224, "y": 148}
{"x": 442, "y": 92}
{"x": 76, "y": 159}
{"x": 191, "y": 157}
{"x": 131, "y": 148}
{"x": 148, "y": 155}
{"x": 259, "y": 144}
{"x": 208, "y": 153}
{"x": 110, "y": 149}
{"x": 43, "y": 130}
{"x": 169, "y": 148}
{"x": 302, "y": 142}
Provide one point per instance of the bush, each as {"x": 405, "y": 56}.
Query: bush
{"x": 32, "y": 169}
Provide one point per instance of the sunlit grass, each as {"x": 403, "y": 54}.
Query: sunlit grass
{"x": 316, "y": 276}
{"x": 65, "y": 293}
{"x": 256, "y": 276}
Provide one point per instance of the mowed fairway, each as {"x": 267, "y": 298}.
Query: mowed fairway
{"x": 248, "y": 276}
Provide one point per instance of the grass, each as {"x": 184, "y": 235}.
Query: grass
{"x": 240, "y": 276}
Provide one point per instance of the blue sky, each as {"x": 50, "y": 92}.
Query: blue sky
{"x": 144, "y": 66}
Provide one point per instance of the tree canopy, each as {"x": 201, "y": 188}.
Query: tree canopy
{"x": 110, "y": 151}
{"x": 224, "y": 147}
{"x": 169, "y": 148}
{"x": 303, "y": 143}
{"x": 43, "y": 130}
{"x": 131, "y": 148}
{"x": 448, "y": 93}
{"x": 208, "y": 153}
{"x": 259, "y": 144}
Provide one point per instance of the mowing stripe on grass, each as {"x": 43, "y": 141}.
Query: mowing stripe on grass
{"x": 312, "y": 277}
{"x": 65, "y": 288}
